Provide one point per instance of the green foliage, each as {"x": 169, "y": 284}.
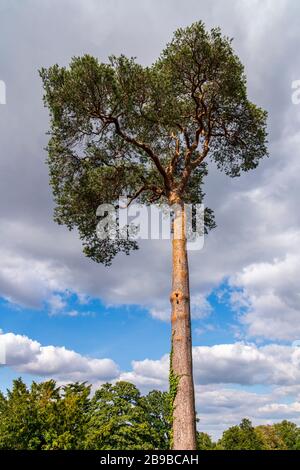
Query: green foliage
{"x": 44, "y": 416}
{"x": 70, "y": 418}
{"x": 280, "y": 436}
{"x": 173, "y": 386}
{"x": 289, "y": 433}
{"x": 119, "y": 419}
{"x": 157, "y": 407}
{"x": 270, "y": 437}
{"x": 203, "y": 77}
{"x": 121, "y": 128}
{"x": 242, "y": 437}
{"x": 48, "y": 417}
{"x": 18, "y": 419}
{"x": 204, "y": 442}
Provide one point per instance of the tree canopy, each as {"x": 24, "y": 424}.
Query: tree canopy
{"x": 46, "y": 416}
{"x": 242, "y": 437}
{"x": 120, "y": 128}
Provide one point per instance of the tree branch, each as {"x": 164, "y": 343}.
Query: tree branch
{"x": 144, "y": 147}
{"x": 143, "y": 188}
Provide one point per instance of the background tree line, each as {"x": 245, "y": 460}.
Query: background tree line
{"x": 47, "y": 416}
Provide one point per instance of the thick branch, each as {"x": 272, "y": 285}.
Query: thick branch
{"x": 146, "y": 149}
{"x": 143, "y": 188}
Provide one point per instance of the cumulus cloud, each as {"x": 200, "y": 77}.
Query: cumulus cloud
{"x": 219, "y": 408}
{"x": 28, "y": 356}
{"x": 56, "y": 303}
{"x": 271, "y": 296}
{"x": 234, "y": 381}
{"x": 280, "y": 410}
{"x": 149, "y": 373}
{"x": 217, "y": 369}
{"x": 237, "y": 363}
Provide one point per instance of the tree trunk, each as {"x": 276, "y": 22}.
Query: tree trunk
{"x": 184, "y": 416}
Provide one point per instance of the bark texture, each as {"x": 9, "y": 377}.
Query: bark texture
{"x": 184, "y": 417}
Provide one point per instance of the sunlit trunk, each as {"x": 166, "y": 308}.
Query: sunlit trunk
{"x": 184, "y": 417}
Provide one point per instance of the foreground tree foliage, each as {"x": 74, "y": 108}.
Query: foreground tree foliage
{"x": 43, "y": 417}
{"x": 119, "y": 418}
{"x": 204, "y": 442}
{"x": 118, "y": 128}
{"x": 48, "y": 417}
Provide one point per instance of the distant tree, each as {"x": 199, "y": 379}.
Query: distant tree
{"x": 289, "y": 433}
{"x": 242, "y": 437}
{"x": 121, "y": 128}
{"x": 270, "y": 437}
{"x": 204, "y": 442}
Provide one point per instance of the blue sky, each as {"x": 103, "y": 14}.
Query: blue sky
{"x": 119, "y": 332}
{"x": 63, "y": 316}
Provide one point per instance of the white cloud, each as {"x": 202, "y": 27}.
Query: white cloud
{"x": 56, "y": 304}
{"x": 28, "y": 356}
{"x": 272, "y": 297}
{"x": 29, "y": 281}
{"x": 280, "y": 410}
{"x": 220, "y": 371}
{"x": 148, "y": 373}
{"x": 219, "y": 408}
{"x": 238, "y": 363}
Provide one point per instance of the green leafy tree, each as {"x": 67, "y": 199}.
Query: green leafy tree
{"x": 242, "y": 437}
{"x": 205, "y": 442}
{"x": 118, "y": 420}
{"x": 67, "y": 425}
{"x": 270, "y": 437}
{"x": 157, "y": 407}
{"x": 148, "y": 132}
{"x": 44, "y": 417}
{"x": 18, "y": 424}
{"x": 48, "y": 417}
{"x": 289, "y": 433}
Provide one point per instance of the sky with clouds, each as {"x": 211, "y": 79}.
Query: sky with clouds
{"x": 63, "y": 316}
